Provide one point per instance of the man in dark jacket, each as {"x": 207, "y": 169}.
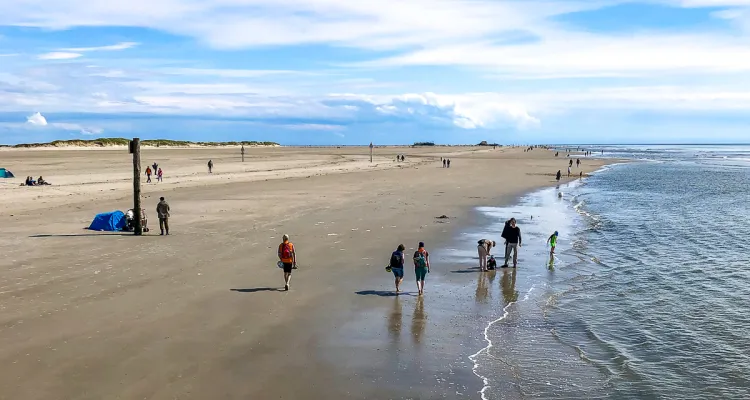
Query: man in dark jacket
{"x": 162, "y": 210}
{"x": 512, "y": 236}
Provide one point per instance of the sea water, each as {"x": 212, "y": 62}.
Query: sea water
{"x": 648, "y": 294}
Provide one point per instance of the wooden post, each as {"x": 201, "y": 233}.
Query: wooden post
{"x": 135, "y": 148}
{"x": 371, "y": 151}
{"x": 242, "y": 150}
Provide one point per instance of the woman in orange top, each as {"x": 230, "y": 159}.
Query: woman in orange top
{"x": 288, "y": 259}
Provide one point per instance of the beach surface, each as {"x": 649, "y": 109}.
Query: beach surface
{"x": 200, "y": 314}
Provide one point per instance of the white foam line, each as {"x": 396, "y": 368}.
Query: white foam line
{"x": 474, "y": 356}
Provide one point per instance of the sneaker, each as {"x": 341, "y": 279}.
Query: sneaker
{"x": 286, "y": 288}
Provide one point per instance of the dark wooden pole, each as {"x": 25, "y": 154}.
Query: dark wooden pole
{"x": 242, "y": 150}
{"x": 136, "y": 149}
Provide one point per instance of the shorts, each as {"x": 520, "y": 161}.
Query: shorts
{"x": 288, "y": 268}
{"x": 421, "y": 272}
{"x": 398, "y": 272}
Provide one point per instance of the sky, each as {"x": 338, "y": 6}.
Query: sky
{"x": 387, "y": 71}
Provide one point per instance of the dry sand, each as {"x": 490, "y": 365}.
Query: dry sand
{"x": 199, "y": 314}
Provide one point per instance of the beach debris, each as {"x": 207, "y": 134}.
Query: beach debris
{"x": 355, "y": 229}
{"x": 443, "y": 217}
{"x": 333, "y": 234}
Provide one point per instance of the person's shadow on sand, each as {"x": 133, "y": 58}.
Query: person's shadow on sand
{"x": 256, "y": 290}
{"x": 382, "y": 293}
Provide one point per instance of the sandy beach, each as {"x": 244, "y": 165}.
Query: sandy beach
{"x": 199, "y": 314}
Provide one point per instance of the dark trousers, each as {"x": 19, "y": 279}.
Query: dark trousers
{"x": 164, "y": 224}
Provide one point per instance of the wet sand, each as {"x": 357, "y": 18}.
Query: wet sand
{"x": 199, "y": 314}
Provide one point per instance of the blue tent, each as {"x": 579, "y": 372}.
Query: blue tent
{"x": 111, "y": 221}
{"x": 4, "y": 173}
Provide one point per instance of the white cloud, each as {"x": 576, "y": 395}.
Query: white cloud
{"x": 114, "y": 47}
{"x": 37, "y": 119}
{"x": 59, "y": 55}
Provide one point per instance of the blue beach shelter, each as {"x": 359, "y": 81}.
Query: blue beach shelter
{"x": 4, "y": 173}
{"x": 111, "y": 221}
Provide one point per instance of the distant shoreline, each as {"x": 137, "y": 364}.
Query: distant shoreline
{"x": 122, "y": 142}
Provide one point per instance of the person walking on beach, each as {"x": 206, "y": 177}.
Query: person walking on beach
{"x": 445, "y": 161}
{"x": 570, "y": 164}
{"x": 156, "y": 166}
{"x": 210, "y": 166}
{"x": 449, "y": 163}
{"x": 162, "y": 211}
{"x": 569, "y": 171}
{"x": 552, "y": 241}
{"x": 483, "y": 248}
{"x": 159, "y": 175}
{"x": 558, "y": 176}
{"x": 512, "y": 236}
{"x": 288, "y": 258}
{"x": 397, "y": 266}
{"x": 148, "y": 174}
{"x": 578, "y": 163}
{"x": 421, "y": 266}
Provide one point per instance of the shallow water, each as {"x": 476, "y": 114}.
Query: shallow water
{"x": 648, "y": 294}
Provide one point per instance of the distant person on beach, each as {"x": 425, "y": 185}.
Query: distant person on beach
{"x": 552, "y": 241}
{"x": 483, "y": 248}
{"x": 445, "y": 161}
{"x": 578, "y": 162}
{"x": 568, "y": 172}
{"x": 570, "y": 164}
{"x": 421, "y": 266}
{"x": 159, "y": 175}
{"x": 559, "y": 175}
{"x": 449, "y": 163}
{"x": 156, "y": 166}
{"x": 148, "y": 174}
{"x": 288, "y": 258}
{"x": 512, "y": 236}
{"x": 397, "y": 266}
{"x": 557, "y": 154}
{"x": 41, "y": 181}
{"x": 162, "y": 211}
{"x": 210, "y": 166}
{"x": 580, "y": 175}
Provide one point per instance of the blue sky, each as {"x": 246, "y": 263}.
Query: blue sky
{"x": 391, "y": 71}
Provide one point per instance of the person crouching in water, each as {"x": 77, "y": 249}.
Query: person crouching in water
{"x": 421, "y": 266}
{"x": 483, "y": 248}
{"x": 397, "y": 266}
{"x": 491, "y": 264}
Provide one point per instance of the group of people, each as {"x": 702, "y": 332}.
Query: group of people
{"x": 446, "y": 162}
{"x": 39, "y": 182}
{"x": 400, "y": 158}
{"x": 421, "y": 261}
{"x": 159, "y": 173}
{"x": 512, "y": 236}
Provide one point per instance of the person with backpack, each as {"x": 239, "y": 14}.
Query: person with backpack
{"x": 288, "y": 258}
{"x": 397, "y": 265}
{"x": 484, "y": 246}
{"x": 421, "y": 266}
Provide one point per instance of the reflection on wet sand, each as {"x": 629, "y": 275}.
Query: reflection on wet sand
{"x": 394, "y": 320}
{"x": 508, "y": 282}
{"x": 418, "y": 321}
{"x": 482, "y": 292}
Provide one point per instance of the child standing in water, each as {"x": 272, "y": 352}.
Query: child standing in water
{"x": 552, "y": 241}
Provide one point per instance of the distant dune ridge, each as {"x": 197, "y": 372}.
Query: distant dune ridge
{"x": 114, "y": 142}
